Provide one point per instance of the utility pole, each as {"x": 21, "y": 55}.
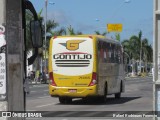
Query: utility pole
{"x": 156, "y": 58}
{"x": 45, "y": 59}
{"x": 15, "y": 55}
{"x": 11, "y": 20}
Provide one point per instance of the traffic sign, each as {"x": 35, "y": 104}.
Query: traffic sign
{"x": 114, "y": 27}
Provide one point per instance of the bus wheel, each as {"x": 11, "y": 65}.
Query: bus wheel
{"x": 64, "y": 100}
{"x": 118, "y": 95}
{"x": 104, "y": 97}
{"x": 68, "y": 100}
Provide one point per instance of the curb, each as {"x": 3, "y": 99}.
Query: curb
{"x": 139, "y": 77}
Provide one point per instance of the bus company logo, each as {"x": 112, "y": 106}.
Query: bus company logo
{"x": 72, "y": 59}
{"x": 72, "y": 44}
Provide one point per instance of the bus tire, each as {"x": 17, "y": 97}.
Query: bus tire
{"x": 118, "y": 95}
{"x": 65, "y": 100}
{"x": 104, "y": 97}
{"x": 62, "y": 100}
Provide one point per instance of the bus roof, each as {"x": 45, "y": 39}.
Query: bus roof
{"x": 84, "y": 35}
{"x": 100, "y": 37}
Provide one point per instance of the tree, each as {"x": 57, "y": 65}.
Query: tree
{"x": 28, "y": 17}
{"x": 98, "y": 33}
{"x": 133, "y": 46}
{"x": 142, "y": 45}
{"x": 117, "y": 36}
{"x": 61, "y": 31}
{"x": 147, "y": 53}
{"x": 71, "y": 31}
{"x": 136, "y": 42}
{"x": 129, "y": 50}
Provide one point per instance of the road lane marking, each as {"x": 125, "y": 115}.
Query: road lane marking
{"x": 45, "y": 90}
{"x": 44, "y": 97}
{"x": 37, "y": 91}
{"x": 38, "y": 98}
{"x": 44, "y": 105}
{"x": 33, "y": 91}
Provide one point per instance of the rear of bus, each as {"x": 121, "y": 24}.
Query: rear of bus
{"x": 72, "y": 67}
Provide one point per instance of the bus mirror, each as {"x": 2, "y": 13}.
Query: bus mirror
{"x": 36, "y": 33}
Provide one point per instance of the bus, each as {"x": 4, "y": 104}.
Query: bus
{"x": 84, "y": 66}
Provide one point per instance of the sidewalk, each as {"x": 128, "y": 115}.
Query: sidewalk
{"x": 139, "y": 77}
{"x": 34, "y": 83}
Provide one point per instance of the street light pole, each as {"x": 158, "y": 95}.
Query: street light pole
{"x": 140, "y": 64}
{"x": 45, "y": 39}
{"x": 140, "y": 56}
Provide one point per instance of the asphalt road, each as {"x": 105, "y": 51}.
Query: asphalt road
{"x": 137, "y": 99}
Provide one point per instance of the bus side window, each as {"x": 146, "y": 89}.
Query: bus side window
{"x": 98, "y": 46}
{"x": 115, "y": 54}
{"x": 100, "y": 52}
{"x": 119, "y": 60}
{"x": 104, "y": 52}
{"x": 121, "y": 54}
{"x": 107, "y": 52}
{"x": 112, "y": 53}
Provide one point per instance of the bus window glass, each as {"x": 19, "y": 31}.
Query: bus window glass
{"x": 112, "y": 53}
{"x": 109, "y": 52}
{"x": 105, "y": 52}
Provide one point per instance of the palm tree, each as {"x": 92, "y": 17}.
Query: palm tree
{"x": 71, "y": 30}
{"x": 133, "y": 46}
{"x": 61, "y": 31}
{"x": 40, "y": 15}
{"x": 98, "y": 33}
{"x": 129, "y": 50}
{"x": 142, "y": 44}
{"x": 147, "y": 52}
{"x": 136, "y": 43}
{"x": 28, "y": 17}
{"x": 117, "y": 36}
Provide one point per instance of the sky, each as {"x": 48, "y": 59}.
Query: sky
{"x": 88, "y": 16}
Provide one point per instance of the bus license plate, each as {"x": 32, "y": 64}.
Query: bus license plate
{"x": 72, "y": 90}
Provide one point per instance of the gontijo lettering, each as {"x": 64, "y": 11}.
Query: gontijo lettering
{"x": 72, "y": 56}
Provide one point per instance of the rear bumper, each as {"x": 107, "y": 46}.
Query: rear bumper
{"x": 80, "y": 91}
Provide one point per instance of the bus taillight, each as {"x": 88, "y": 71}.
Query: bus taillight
{"x": 52, "y": 82}
{"x": 94, "y": 79}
